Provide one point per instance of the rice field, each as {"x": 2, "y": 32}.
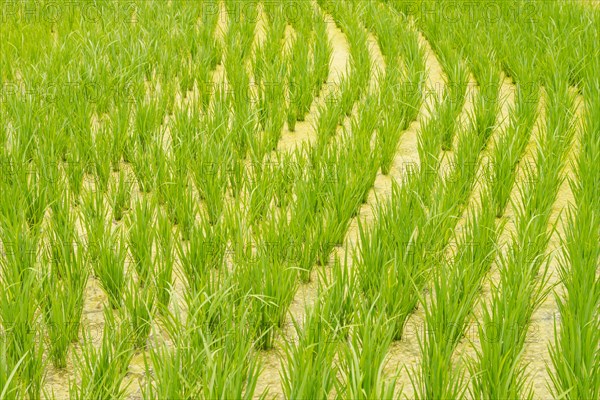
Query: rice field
{"x": 299, "y": 199}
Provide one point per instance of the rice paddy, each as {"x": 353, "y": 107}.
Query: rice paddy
{"x": 316, "y": 199}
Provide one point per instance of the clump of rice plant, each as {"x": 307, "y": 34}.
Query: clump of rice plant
{"x": 63, "y": 290}
{"x": 362, "y": 359}
{"x": 141, "y": 237}
{"x": 120, "y": 196}
{"x": 138, "y": 309}
{"x": 109, "y": 267}
{"x": 102, "y": 370}
{"x": 164, "y": 260}
{"x": 213, "y": 343}
{"x": 309, "y": 371}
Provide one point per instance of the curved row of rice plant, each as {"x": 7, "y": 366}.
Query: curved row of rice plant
{"x": 575, "y": 362}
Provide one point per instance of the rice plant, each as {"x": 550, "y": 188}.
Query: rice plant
{"x": 220, "y": 357}
{"x": 62, "y": 297}
{"x": 102, "y": 370}
{"x": 309, "y": 370}
{"x": 138, "y": 309}
{"x": 120, "y": 196}
{"x": 109, "y": 266}
{"x": 523, "y": 278}
{"x": 141, "y": 238}
{"x": 362, "y": 358}
{"x": 164, "y": 262}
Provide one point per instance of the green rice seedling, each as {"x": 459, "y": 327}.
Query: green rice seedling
{"x": 261, "y": 192}
{"x": 18, "y": 307}
{"x": 339, "y": 296}
{"x": 455, "y": 289}
{"x": 62, "y": 313}
{"x": 463, "y": 173}
{"x": 109, "y": 267}
{"x": 82, "y": 141}
{"x": 330, "y": 117}
{"x": 322, "y": 51}
{"x": 292, "y": 113}
{"x": 486, "y": 104}
{"x": 380, "y": 23}
{"x": 360, "y": 60}
{"x": 141, "y": 164}
{"x": 164, "y": 261}
{"x": 502, "y": 171}
{"x": 102, "y": 166}
{"x": 204, "y": 252}
{"x": 500, "y": 371}
{"x": 286, "y": 172}
{"x": 184, "y": 205}
{"x": 393, "y": 121}
{"x": 402, "y": 274}
{"x": 309, "y": 370}
{"x": 48, "y": 169}
{"x": 213, "y": 342}
{"x": 119, "y": 123}
{"x": 571, "y": 352}
{"x": 299, "y": 80}
{"x": 120, "y": 196}
{"x": 166, "y": 99}
{"x": 93, "y": 213}
{"x": 269, "y": 68}
{"x": 21, "y": 250}
{"x": 141, "y": 237}
{"x": 138, "y": 309}
{"x": 22, "y": 112}
{"x": 236, "y": 175}
{"x": 61, "y": 235}
{"x": 429, "y": 146}
{"x": 24, "y": 347}
{"x": 74, "y": 171}
{"x": 276, "y": 241}
{"x": 162, "y": 169}
{"x": 9, "y": 372}
{"x": 35, "y": 196}
{"x": 348, "y": 96}
{"x": 102, "y": 370}
{"x": 271, "y": 287}
{"x": 404, "y": 255}
{"x": 307, "y": 251}
{"x": 186, "y": 77}
{"x": 577, "y": 334}
{"x": 210, "y": 180}
{"x": 230, "y": 351}
{"x": 146, "y": 124}
{"x": 171, "y": 380}
{"x": 362, "y": 359}
{"x": 62, "y": 296}
{"x": 456, "y": 82}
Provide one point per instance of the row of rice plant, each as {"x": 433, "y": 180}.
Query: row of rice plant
{"x": 575, "y": 362}
{"x": 522, "y": 269}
